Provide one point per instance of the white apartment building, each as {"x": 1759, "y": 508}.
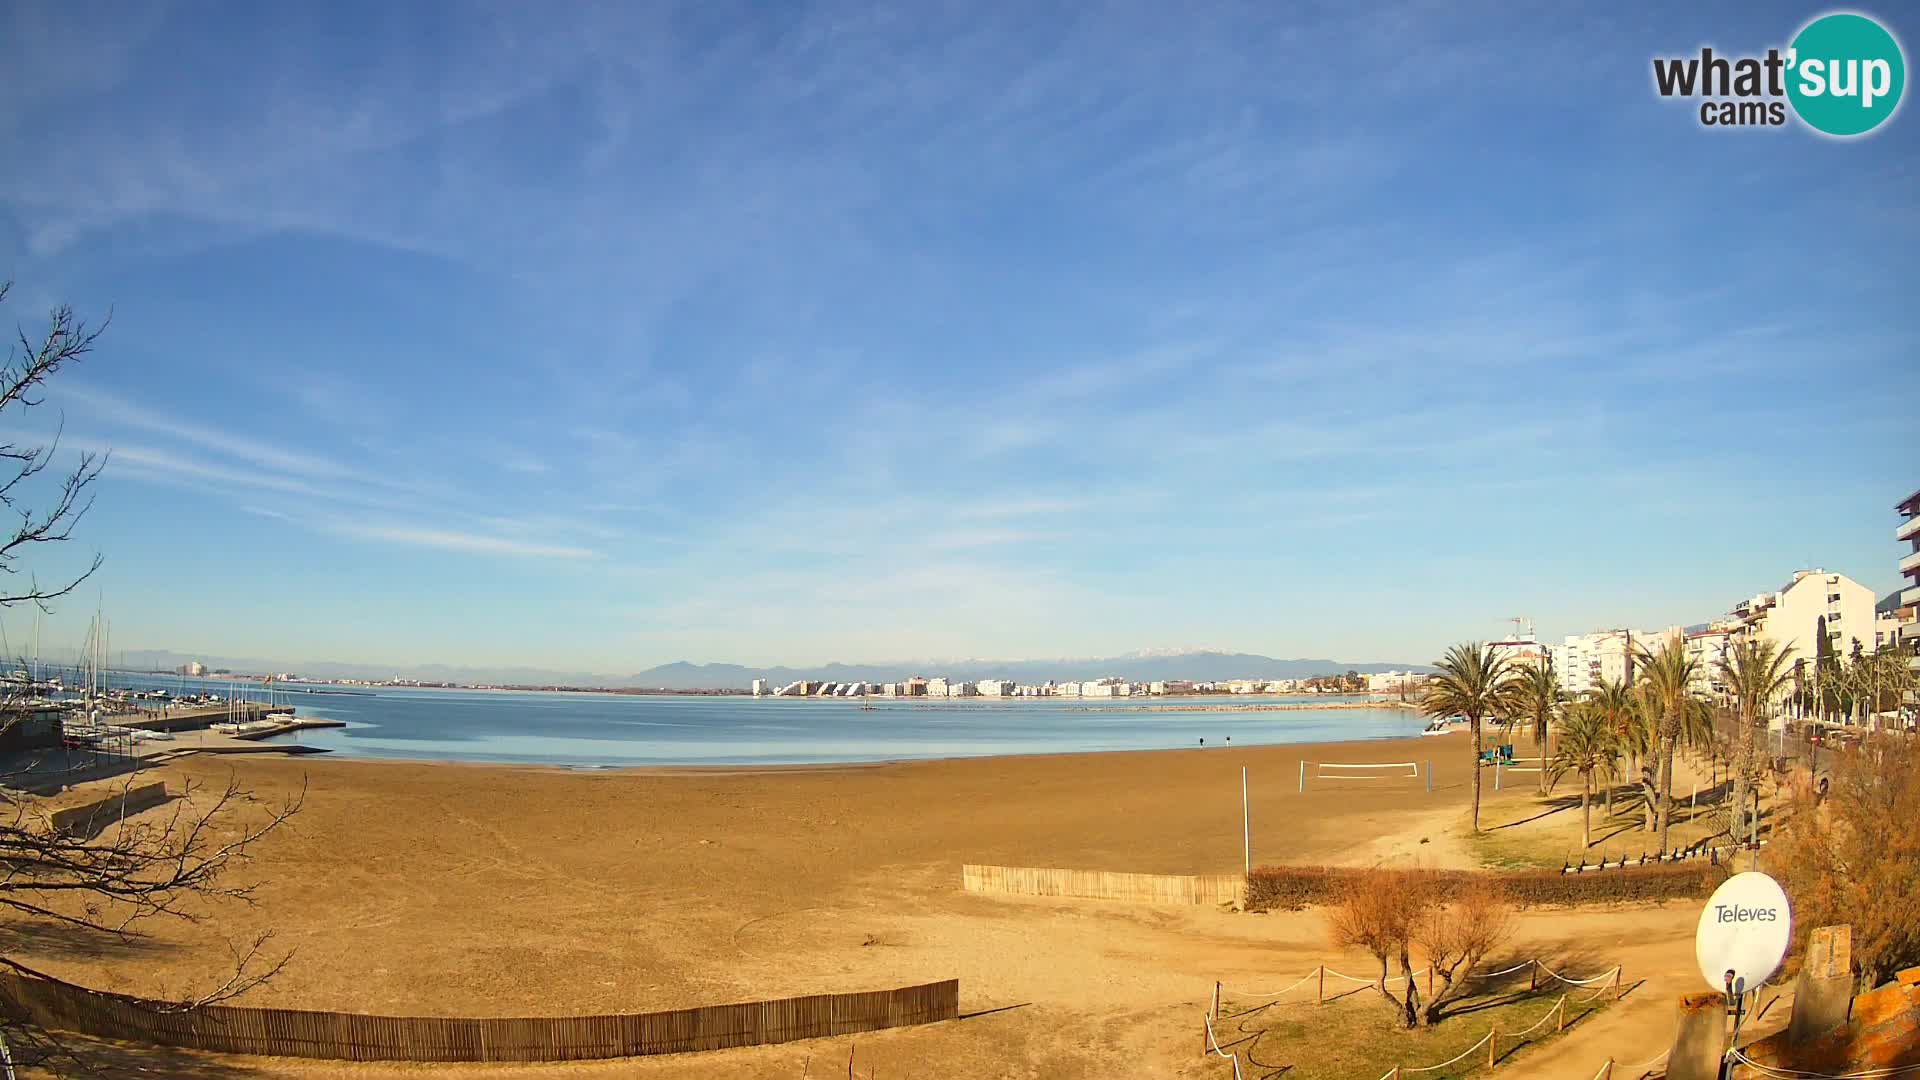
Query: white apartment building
{"x": 995, "y": 687}
{"x": 1886, "y": 630}
{"x": 759, "y": 687}
{"x": 1581, "y": 662}
{"x": 1908, "y": 625}
{"x": 937, "y": 687}
{"x": 1812, "y": 603}
{"x": 1244, "y": 686}
{"x": 959, "y": 689}
{"x": 1708, "y": 650}
{"x": 1584, "y": 661}
{"x": 1384, "y": 682}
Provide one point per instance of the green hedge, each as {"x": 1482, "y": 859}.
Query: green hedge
{"x": 1290, "y": 888}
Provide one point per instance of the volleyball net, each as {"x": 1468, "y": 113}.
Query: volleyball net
{"x": 1338, "y": 773}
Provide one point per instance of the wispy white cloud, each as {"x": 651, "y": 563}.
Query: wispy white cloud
{"x": 101, "y": 406}
{"x": 451, "y": 540}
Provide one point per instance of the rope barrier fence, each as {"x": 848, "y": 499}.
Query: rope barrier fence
{"x": 1610, "y": 977}
{"x": 1608, "y": 982}
{"x": 1213, "y": 1047}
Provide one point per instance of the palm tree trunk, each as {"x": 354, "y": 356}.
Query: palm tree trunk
{"x": 1586, "y": 813}
{"x": 1740, "y": 764}
{"x": 1476, "y": 772}
{"x": 1541, "y": 732}
{"x": 1649, "y": 777}
{"x": 1666, "y": 790}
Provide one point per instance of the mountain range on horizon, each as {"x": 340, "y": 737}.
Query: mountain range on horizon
{"x": 1203, "y": 665}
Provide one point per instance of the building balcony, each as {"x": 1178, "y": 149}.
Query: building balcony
{"x": 1911, "y": 564}
{"x": 1908, "y": 529}
{"x": 1910, "y": 596}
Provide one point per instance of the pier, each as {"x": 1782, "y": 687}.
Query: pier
{"x": 199, "y": 716}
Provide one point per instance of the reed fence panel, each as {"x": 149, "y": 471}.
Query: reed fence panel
{"x": 1104, "y": 884}
{"x": 61, "y": 1006}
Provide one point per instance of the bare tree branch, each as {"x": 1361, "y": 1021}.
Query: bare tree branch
{"x": 101, "y": 880}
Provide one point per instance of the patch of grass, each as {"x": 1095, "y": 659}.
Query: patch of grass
{"x": 1533, "y": 831}
{"x": 1358, "y": 1037}
{"x": 1496, "y": 850}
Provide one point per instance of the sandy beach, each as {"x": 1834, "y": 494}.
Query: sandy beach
{"x": 434, "y": 889}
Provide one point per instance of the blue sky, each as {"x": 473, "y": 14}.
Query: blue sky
{"x": 601, "y": 336}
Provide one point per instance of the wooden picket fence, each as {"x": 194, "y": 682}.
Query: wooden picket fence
{"x": 1104, "y": 885}
{"x": 60, "y": 1006}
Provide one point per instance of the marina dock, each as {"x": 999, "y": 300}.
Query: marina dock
{"x": 194, "y": 718}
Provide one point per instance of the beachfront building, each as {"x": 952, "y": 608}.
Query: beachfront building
{"x": 995, "y": 687}
{"x": 1815, "y": 604}
{"x": 1708, "y": 649}
{"x": 1907, "y": 614}
{"x": 1886, "y": 622}
{"x": 759, "y": 687}
{"x": 1584, "y": 661}
{"x": 1244, "y": 686}
{"x": 1383, "y": 682}
{"x": 937, "y": 687}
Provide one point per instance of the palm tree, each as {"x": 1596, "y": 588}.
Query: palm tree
{"x": 1539, "y": 701}
{"x": 1676, "y": 714}
{"x": 1614, "y": 703}
{"x": 1587, "y": 747}
{"x": 1476, "y": 682}
{"x": 1759, "y": 674}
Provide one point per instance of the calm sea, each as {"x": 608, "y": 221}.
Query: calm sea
{"x": 587, "y": 730}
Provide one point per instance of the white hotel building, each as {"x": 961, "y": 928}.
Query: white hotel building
{"x": 1812, "y": 603}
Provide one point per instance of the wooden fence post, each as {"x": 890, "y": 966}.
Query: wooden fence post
{"x": 1493, "y": 1039}
{"x": 1320, "y": 998}
{"x": 1533, "y": 976}
{"x": 1216, "y": 1000}
{"x": 1560, "y": 1017}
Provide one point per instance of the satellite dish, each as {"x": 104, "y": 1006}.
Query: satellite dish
{"x": 1743, "y": 932}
